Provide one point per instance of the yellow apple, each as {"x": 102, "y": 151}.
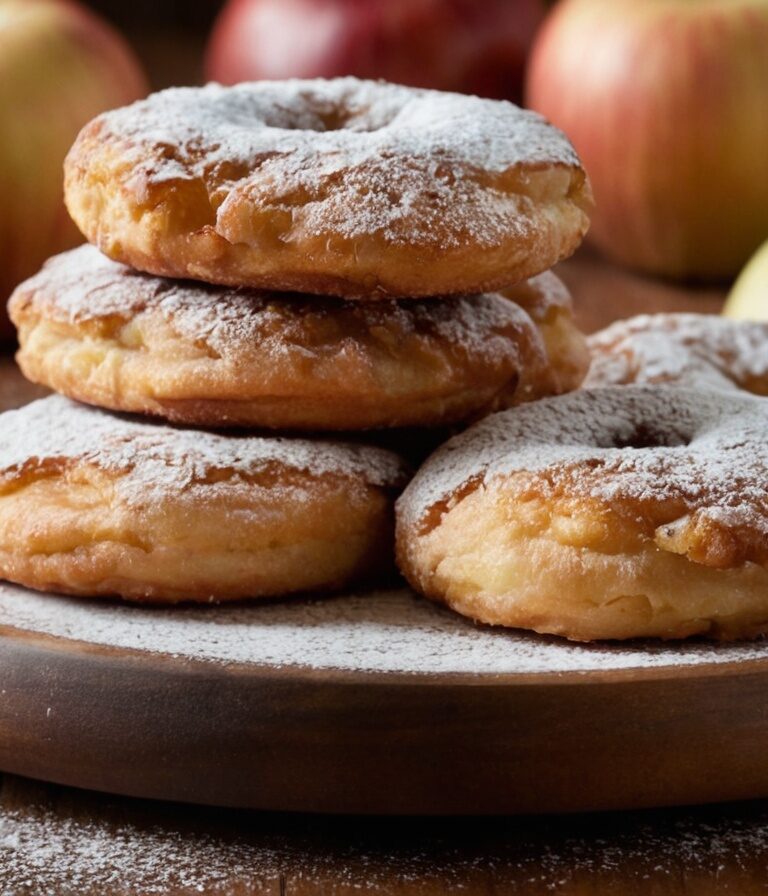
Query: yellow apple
{"x": 666, "y": 102}
{"x": 59, "y": 67}
{"x": 748, "y": 300}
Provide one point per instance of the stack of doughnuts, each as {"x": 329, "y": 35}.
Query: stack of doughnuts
{"x": 274, "y": 269}
{"x": 271, "y": 268}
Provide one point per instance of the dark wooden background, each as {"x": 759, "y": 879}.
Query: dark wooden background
{"x": 168, "y": 35}
{"x": 180, "y": 14}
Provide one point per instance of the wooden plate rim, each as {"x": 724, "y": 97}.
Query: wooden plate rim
{"x": 339, "y": 677}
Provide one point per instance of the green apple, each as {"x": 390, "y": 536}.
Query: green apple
{"x": 748, "y": 300}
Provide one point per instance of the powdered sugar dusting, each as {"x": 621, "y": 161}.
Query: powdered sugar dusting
{"x": 388, "y": 631}
{"x": 84, "y": 285}
{"x": 77, "y": 844}
{"x": 67, "y": 843}
{"x": 151, "y": 460}
{"x": 691, "y": 349}
{"x": 45, "y": 854}
{"x": 706, "y": 449}
{"x": 346, "y": 156}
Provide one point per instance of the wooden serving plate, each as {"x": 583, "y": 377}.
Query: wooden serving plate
{"x": 378, "y": 703}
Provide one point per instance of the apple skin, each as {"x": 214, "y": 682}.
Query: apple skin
{"x": 748, "y": 299}
{"x": 59, "y": 67}
{"x": 462, "y": 45}
{"x": 666, "y": 101}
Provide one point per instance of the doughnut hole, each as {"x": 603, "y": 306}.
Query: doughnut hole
{"x": 645, "y": 437}
{"x": 316, "y": 115}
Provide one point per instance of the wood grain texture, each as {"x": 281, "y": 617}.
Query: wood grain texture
{"x": 60, "y": 842}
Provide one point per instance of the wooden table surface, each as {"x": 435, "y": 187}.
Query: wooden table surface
{"x": 59, "y": 842}
{"x": 603, "y": 292}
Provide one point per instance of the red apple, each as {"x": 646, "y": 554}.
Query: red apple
{"x": 59, "y": 67}
{"x": 473, "y": 46}
{"x": 666, "y": 102}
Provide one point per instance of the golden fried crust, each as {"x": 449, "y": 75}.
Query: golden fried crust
{"x": 609, "y": 513}
{"x": 344, "y": 187}
{"x": 698, "y": 350}
{"x": 92, "y": 504}
{"x": 99, "y": 332}
{"x": 548, "y": 303}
